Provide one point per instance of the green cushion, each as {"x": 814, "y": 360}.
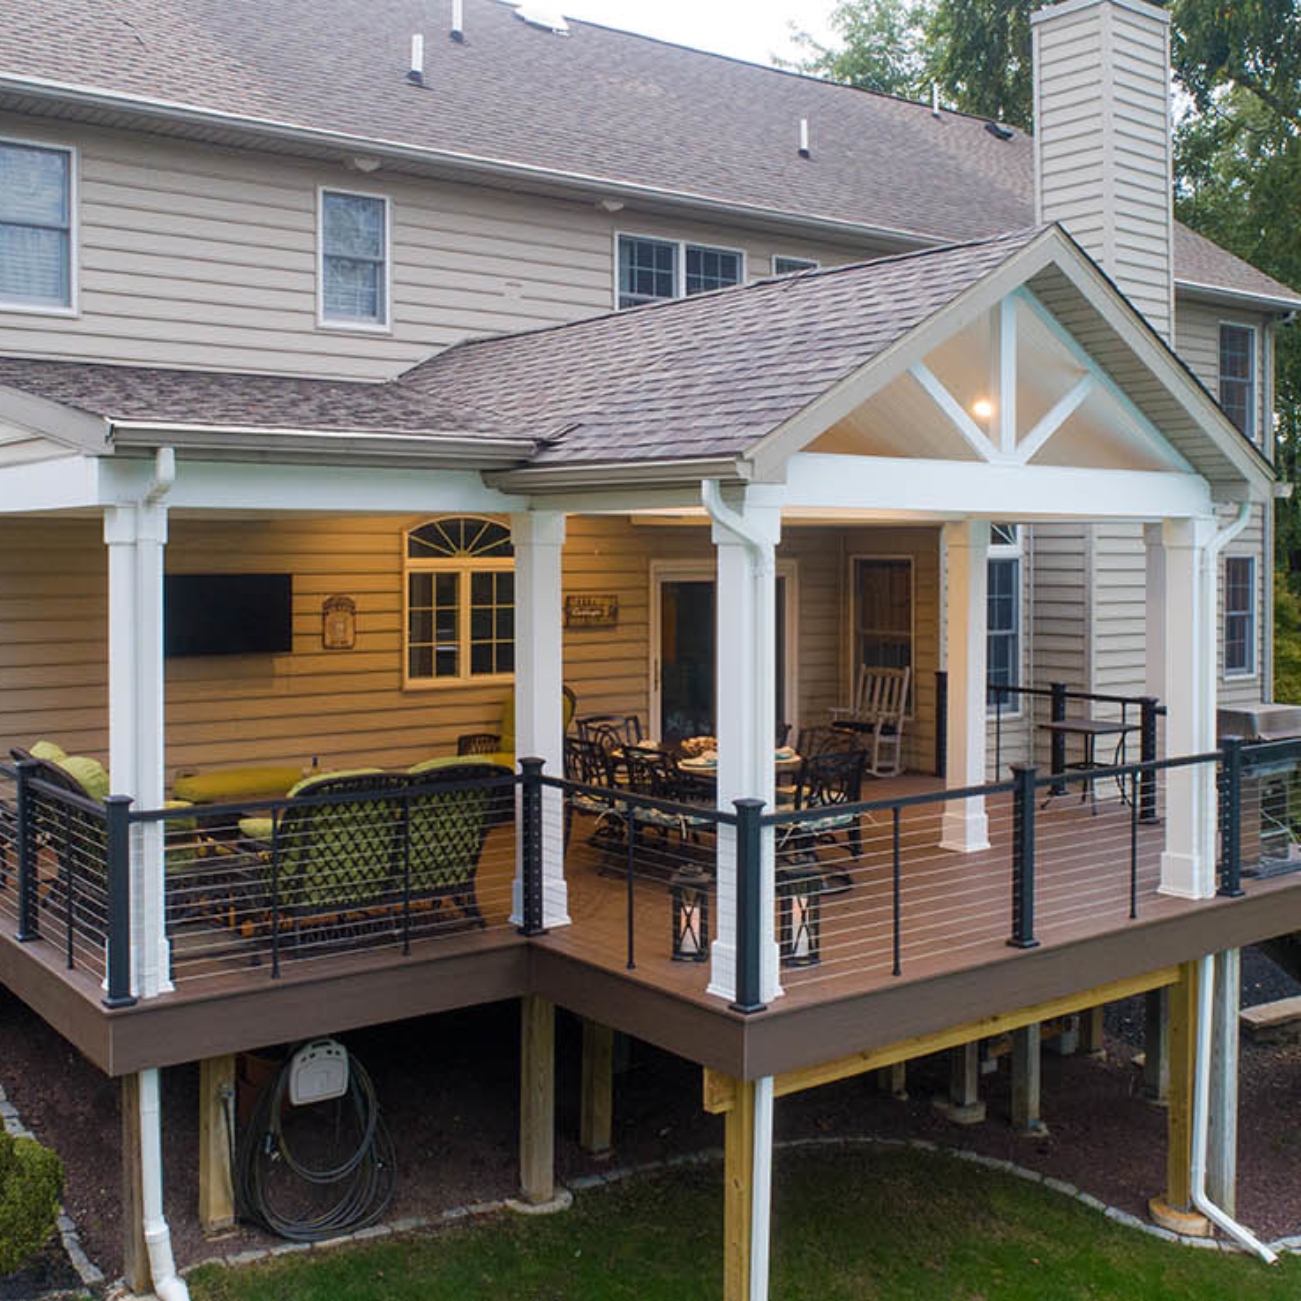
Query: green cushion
{"x": 48, "y": 751}
{"x": 89, "y": 772}
{"x": 257, "y": 828}
{"x": 225, "y": 784}
{"x": 450, "y": 761}
{"x": 304, "y": 787}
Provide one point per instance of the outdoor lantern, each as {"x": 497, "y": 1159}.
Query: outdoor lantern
{"x": 799, "y": 910}
{"x": 689, "y": 893}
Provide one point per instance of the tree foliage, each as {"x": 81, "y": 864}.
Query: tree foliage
{"x": 880, "y": 47}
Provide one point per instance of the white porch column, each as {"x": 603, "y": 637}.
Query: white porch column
{"x": 1188, "y": 607}
{"x": 135, "y": 537}
{"x": 539, "y": 539}
{"x": 746, "y": 719}
{"x": 965, "y": 826}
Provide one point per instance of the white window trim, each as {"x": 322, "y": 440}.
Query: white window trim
{"x": 814, "y": 264}
{"x": 1011, "y": 551}
{"x": 73, "y": 308}
{"x": 679, "y": 263}
{"x": 1254, "y": 330}
{"x": 340, "y": 324}
{"x": 462, "y": 565}
{"x": 852, "y": 658}
{"x": 1253, "y": 643}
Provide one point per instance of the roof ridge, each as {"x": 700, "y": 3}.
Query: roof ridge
{"x": 665, "y": 304}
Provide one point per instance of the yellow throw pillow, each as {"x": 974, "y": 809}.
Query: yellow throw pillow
{"x": 89, "y": 772}
{"x": 48, "y": 751}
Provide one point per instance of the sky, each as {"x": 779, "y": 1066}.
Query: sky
{"x": 746, "y": 29}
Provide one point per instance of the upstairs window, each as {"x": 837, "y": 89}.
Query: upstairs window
{"x": 786, "y": 266}
{"x": 460, "y": 590}
{"x": 1003, "y": 615}
{"x": 1239, "y": 616}
{"x": 37, "y": 205}
{"x": 652, "y": 269}
{"x": 354, "y": 270}
{"x": 1238, "y": 376}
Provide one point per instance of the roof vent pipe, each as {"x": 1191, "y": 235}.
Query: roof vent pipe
{"x": 458, "y": 21}
{"x": 417, "y": 73}
{"x": 935, "y": 99}
{"x": 804, "y": 137}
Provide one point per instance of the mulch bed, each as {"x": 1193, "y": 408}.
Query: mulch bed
{"x": 449, "y": 1083}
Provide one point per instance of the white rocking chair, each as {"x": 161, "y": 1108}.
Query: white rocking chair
{"x": 876, "y": 715}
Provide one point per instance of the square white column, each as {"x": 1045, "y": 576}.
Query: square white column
{"x": 1188, "y": 650}
{"x": 136, "y": 537}
{"x": 539, "y": 539}
{"x": 965, "y": 826}
{"x": 746, "y": 723}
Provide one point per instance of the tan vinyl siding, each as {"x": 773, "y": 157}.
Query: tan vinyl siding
{"x": 1245, "y": 690}
{"x": 1197, "y": 340}
{"x": 200, "y": 256}
{"x": 1119, "y": 557}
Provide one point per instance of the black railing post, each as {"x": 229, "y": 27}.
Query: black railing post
{"x": 1023, "y": 809}
{"x": 1147, "y": 754}
{"x": 749, "y": 906}
{"x": 117, "y": 839}
{"x": 531, "y": 845}
{"x": 941, "y": 723}
{"x": 1057, "y": 760}
{"x": 1231, "y": 821}
{"x": 28, "y": 927}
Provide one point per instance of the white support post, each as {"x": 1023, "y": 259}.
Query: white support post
{"x": 746, "y": 721}
{"x": 136, "y": 536}
{"x": 539, "y": 539}
{"x": 1188, "y": 863}
{"x": 965, "y": 826}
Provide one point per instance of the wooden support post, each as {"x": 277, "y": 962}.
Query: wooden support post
{"x": 1091, "y": 1032}
{"x": 738, "y": 1180}
{"x": 1067, "y": 1039}
{"x": 1026, "y": 1081}
{"x": 963, "y": 1105}
{"x": 596, "y": 1108}
{"x": 1175, "y": 1210}
{"x": 216, "y": 1182}
{"x": 1156, "y": 1047}
{"x": 135, "y": 1254}
{"x": 893, "y": 1080}
{"x": 1222, "y": 1144}
{"x": 537, "y": 1136}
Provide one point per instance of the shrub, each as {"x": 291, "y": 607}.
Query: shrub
{"x": 31, "y": 1177}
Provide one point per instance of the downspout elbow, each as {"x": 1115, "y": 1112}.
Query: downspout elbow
{"x": 711, "y": 497}
{"x": 1231, "y": 531}
{"x": 164, "y": 476}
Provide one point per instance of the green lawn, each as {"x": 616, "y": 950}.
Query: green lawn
{"x": 860, "y": 1224}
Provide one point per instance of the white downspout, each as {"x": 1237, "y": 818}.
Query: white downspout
{"x": 761, "y": 1203}
{"x": 1202, "y": 1116}
{"x": 711, "y": 497}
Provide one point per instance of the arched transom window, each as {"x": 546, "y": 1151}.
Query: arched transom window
{"x": 460, "y": 595}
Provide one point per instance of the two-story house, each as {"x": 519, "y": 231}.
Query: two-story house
{"x": 372, "y": 377}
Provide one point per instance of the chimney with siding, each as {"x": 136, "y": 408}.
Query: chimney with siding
{"x": 1102, "y": 141}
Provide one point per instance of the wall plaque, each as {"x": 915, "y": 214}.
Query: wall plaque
{"x": 339, "y": 623}
{"x": 591, "y": 611}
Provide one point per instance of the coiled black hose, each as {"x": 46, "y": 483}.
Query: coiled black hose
{"x": 365, "y": 1179}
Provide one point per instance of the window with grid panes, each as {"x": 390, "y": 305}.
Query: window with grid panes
{"x": 711, "y": 268}
{"x": 460, "y": 585}
{"x": 1238, "y": 376}
{"x": 883, "y": 611}
{"x": 648, "y": 269}
{"x": 1239, "y": 616}
{"x": 36, "y": 226}
{"x": 787, "y": 266}
{"x": 354, "y": 259}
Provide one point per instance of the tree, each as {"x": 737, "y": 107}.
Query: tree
{"x": 880, "y": 46}
{"x": 980, "y": 57}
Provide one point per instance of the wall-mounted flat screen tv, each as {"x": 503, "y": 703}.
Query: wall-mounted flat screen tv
{"x": 228, "y": 614}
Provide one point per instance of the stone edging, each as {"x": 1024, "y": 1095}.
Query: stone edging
{"x": 90, "y": 1274}
{"x": 713, "y": 1154}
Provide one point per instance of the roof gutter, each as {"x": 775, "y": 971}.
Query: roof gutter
{"x": 470, "y": 164}
{"x": 578, "y": 476}
{"x": 1219, "y": 294}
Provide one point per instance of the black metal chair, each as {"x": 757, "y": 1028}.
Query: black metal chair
{"x": 589, "y": 763}
{"x": 828, "y": 780}
{"x": 612, "y": 731}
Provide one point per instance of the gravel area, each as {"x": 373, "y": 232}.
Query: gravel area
{"x": 448, "y": 1087}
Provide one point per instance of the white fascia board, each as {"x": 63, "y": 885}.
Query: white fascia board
{"x": 1245, "y": 298}
{"x": 358, "y": 490}
{"x": 962, "y": 489}
{"x": 69, "y": 482}
{"x": 633, "y": 476}
{"x": 73, "y": 428}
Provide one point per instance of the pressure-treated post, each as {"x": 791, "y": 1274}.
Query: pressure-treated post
{"x": 117, "y": 818}
{"x": 749, "y": 907}
{"x": 28, "y": 927}
{"x": 1058, "y": 745}
{"x": 1023, "y": 844}
{"x": 530, "y": 832}
{"x": 1148, "y": 709}
{"x": 1231, "y": 820}
{"x": 596, "y": 1102}
{"x": 1027, "y": 1079}
{"x": 216, "y": 1117}
{"x": 537, "y": 1142}
{"x": 738, "y": 1194}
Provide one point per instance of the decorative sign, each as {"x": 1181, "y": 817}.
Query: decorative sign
{"x": 591, "y": 611}
{"x": 339, "y": 623}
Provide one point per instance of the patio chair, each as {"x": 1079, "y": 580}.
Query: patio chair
{"x": 830, "y": 780}
{"x": 876, "y": 716}
{"x": 589, "y": 762}
{"x": 612, "y": 731}
{"x": 654, "y": 773}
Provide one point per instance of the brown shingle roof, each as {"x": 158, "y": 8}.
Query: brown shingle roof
{"x": 597, "y": 103}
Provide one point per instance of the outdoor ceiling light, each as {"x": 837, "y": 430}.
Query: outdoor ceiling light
{"x": 983, "y": 408}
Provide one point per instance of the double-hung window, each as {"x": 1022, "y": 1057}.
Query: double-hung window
{"x": 37, "y": 215}
{"x": 354, "y": 260}
{"x": 883, "y": 613}
{"x": 460, "y": 601}
{"x": 786, "y": 266}
{"x": 1003, "y": 607}
{"x": 1239, "y": 616}
{"x": 1238, "y": 376}
{"x": 650, "y": 269}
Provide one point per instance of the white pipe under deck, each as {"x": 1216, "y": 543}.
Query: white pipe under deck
{"x": 168, "y": 1285}
{"x": 1202, "y": 1117}
{"x": 761, "y": 1185}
